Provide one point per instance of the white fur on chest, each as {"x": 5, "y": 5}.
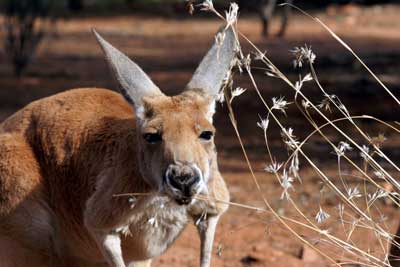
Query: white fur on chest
{"x": 155, "y": 223}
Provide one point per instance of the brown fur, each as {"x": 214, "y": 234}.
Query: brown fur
{"x": 77, "y": 149}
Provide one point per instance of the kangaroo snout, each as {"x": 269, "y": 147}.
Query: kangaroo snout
{"x": 183, "y": 181}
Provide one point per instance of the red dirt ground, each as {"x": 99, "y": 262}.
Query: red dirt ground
{"x": 169, "y": 49}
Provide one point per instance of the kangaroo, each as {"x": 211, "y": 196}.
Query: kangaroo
{"x": 67, "y": 160}
{"x": 265, "y": 10}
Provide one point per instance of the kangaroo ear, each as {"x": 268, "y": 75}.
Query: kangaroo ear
{"x": 211, "y": 72}
{"x": 134, "y": 84}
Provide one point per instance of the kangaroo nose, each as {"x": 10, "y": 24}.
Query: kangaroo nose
{"x": 184, "y": 179}
{"x": 181, "y": 177}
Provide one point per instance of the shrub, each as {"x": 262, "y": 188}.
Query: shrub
{"x": 24, "y": 29}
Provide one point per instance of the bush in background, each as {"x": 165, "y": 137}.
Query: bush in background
{"x": 24, "y": 23}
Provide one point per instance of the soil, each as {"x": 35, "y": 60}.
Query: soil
{"x": 169, "y": 50}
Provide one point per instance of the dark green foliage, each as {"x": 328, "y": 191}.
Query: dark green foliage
{"x": 171, "y": 7}
{"x": 75, "y": 5}
{"x": 25, "y": 8}
{"x": 23, "y": 30}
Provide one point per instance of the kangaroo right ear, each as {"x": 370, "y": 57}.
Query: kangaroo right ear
{"x": 212, "y": 70}
{"x": 134, "y": 84}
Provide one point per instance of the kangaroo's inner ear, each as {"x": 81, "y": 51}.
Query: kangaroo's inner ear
{"x": 134, "y": 84}
{"x": 215, "y": 65}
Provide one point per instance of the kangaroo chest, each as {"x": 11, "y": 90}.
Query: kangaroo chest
{"x": 155, "y": 223}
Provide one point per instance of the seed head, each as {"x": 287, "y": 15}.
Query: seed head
{"x": 273, "y": 167}
{"x": 207, "y": 5}
{"x": 231, "y": 15}
{"x": 237, "y": 92}
{"x": 321, "y": 215}
{"x": 301, "y": 54}
{"x": 342, "y": 148}
{"x": 353, "y": 193}
{"x": 260, "y": 55}
{"x": 364, "y": 152}
{"x": 263, "y": 124}
{"x": 280, "y": 104}
{"x": 286, "y": 183}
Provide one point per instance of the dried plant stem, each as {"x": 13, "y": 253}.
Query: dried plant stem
{"x": 345, "y": 45}
{"x": 284, "y": 78}
{"x": 350, "y": 119}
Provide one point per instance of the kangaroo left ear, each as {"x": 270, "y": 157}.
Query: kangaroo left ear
{"x": 134, "y": 84}
{"x": 211, "y": 72}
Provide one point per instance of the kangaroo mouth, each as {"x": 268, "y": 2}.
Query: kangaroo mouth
{"x": 182, "y": 196}
{"x": 183, "y": 201}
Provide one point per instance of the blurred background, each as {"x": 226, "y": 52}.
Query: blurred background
{"x": 46, "y": 47}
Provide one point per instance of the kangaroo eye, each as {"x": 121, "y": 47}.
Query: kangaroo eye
{"x": 206, "y": 135}
{"x": 152, "y": 138}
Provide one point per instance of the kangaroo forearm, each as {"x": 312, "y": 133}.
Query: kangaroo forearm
{"x": 105, "y": 214}
{"x": 105, "y": 208}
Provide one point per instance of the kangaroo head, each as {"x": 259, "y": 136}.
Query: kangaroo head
{"x": 175, "y": 133}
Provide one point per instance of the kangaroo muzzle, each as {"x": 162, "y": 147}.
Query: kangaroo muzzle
{"x": 182, "y": 182}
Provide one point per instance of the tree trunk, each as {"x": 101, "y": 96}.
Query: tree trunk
{"x": 285, "y": 18}
{"x": 394, "y": 255}
{"x": 266, "y": 10}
